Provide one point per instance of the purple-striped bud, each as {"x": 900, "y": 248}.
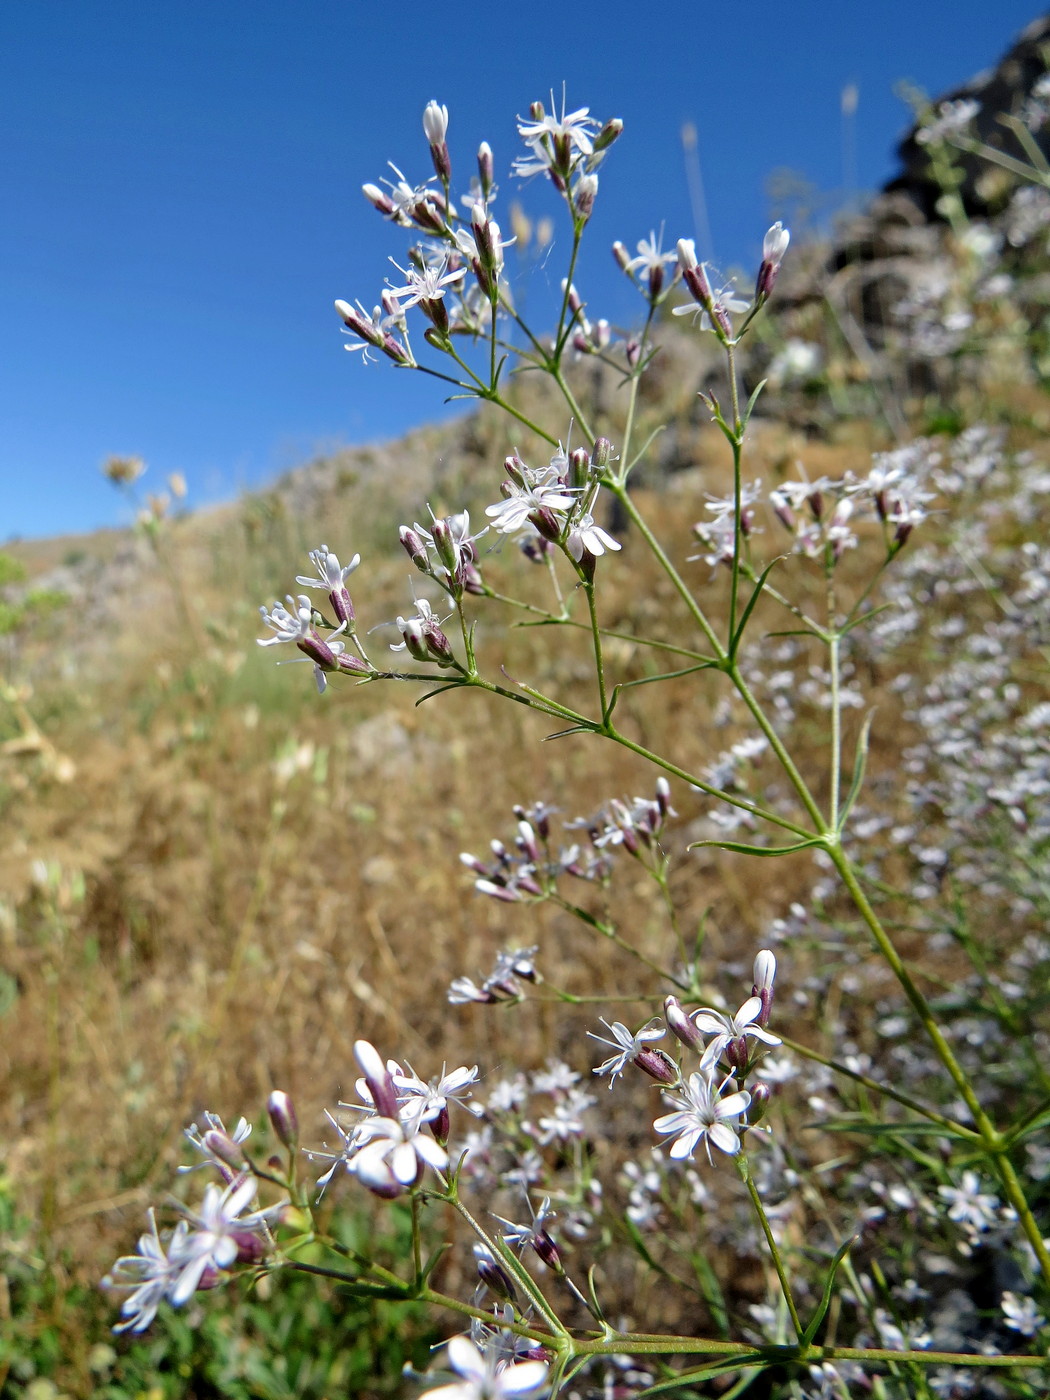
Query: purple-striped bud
{"x": 223, "y": 1147}
{"x": 579, "y": 468}
{"x": 547, "y": 1250}
{"x": 378, "y": 199}
{"x": 585, "y": 195}
{"x": 602, "y": 455}
{"x": 516, "y": 470}
{"x": 251, "y": 1247}
{"x": 574, "y": 300}
{"x": 657, "y": 1065}
{"x": 485, "y": 168}
{"x": 765, "y": 970}
{"x": 435, "y": 310}
{"x": 317, "y": 649}
{"x": 610, "y": 132}
{"x": 394, "y": 350}
{"x": 526, "y": 841}
{"x": 547, "y": 523}
{"x": 622, "y": 256}
{"x": 445, "y": 544}
{"x": 283, "y": 1118}
{"x": 492, "y": 1273}
{"x": 681, "y": 1026}
{"x": 412, "y": 543}
{"x": 736, "y": 1053}
{"x": 435, "y": 128}
{"x": 377, "y": 1077}
{"x": 360, "y": 325}
{"x": 761, "y": 1094}
{"x": 427, "y": 215}
{"x": 441, "y": 1125}
{"x": 774, "y": 246}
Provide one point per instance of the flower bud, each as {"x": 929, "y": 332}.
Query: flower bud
{"x": 485, "y": 168}
{"x": 601, "y": 456}
{"x": 222, "y": 1146}
{"x": 435, "y": 127}
{"x": 774, "y": 246}
{"x": 579, "y": 468}
{"x": 283, "y": 1118}
{"x": 378, "y": 199}
{"x": 680, "y": 1025}
{"x": 760, "y": 1097}
{"x": 378, "y": 1079}
{"x": 435, "y": 123}
{"x": 445, "y": 544}
{"x": 492, "y": 1273}
{"x": 527, "y": 843}
{"x": 413, "y": 545}
{"x": 657, "y": 1065}
{"x": 610, "y": 132}
{"x": 622, "y": 256}
{"x": 585, "y": 195}
{"x": 547, "y": 1250}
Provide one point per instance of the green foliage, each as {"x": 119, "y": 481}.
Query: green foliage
{"x": 288, "y": 1337}
{"x": 12, "y": 570}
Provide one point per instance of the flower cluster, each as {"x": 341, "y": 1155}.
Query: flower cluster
{"x": 556, "y": 502}
{"x": 702, "y": 1109}
{"x": 403, "y": 1124}
{"x": 530, "y": 868}
{"x": 171, "y": 1266}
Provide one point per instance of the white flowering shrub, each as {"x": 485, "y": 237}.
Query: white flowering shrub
{"x": 877, "y": 1156}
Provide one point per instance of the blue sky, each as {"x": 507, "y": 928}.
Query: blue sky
{"x": 180, "y": 195}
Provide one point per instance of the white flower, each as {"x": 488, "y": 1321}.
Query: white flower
{"x": 1019, "y": 1313}
{"x": 428, "y": 283}
{"x": 543, "y": 134}
{"x": 330, "y": 576}
{"x": 422, "y": 1102}
{"x": 485, "y": 1377}
{"x": 585, "y": 536}
{"x": 651, "y": 256}
{"x": 627, "y": 1044}
{"x": 213, "y": 1243}
{"x": 290, "y": 623}
{"x": 536, "y": 493}
{"x": 391, "y": 1154}
{"x": 148, "y": 1274}
{"x": 704, "y": 1116}
{"x": 967, "y": 1205}
{"x": 728, "y": 1028}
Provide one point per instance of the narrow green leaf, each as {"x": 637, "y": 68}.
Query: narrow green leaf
{"x": 825, "y": 1300}
{"x": 753, "y": 400}
{"x": 860, "y": 763}
{"x": 752, "y": 601}
{"x": 887, "y": 1130}
{"x": 452, "y": 685}
{"x": 741, "y": 847}
{"x": 712, "y": 1291}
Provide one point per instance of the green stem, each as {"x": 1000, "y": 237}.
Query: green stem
{"x": 995, "y": 1143}
{"x": 744, "y": 1168}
